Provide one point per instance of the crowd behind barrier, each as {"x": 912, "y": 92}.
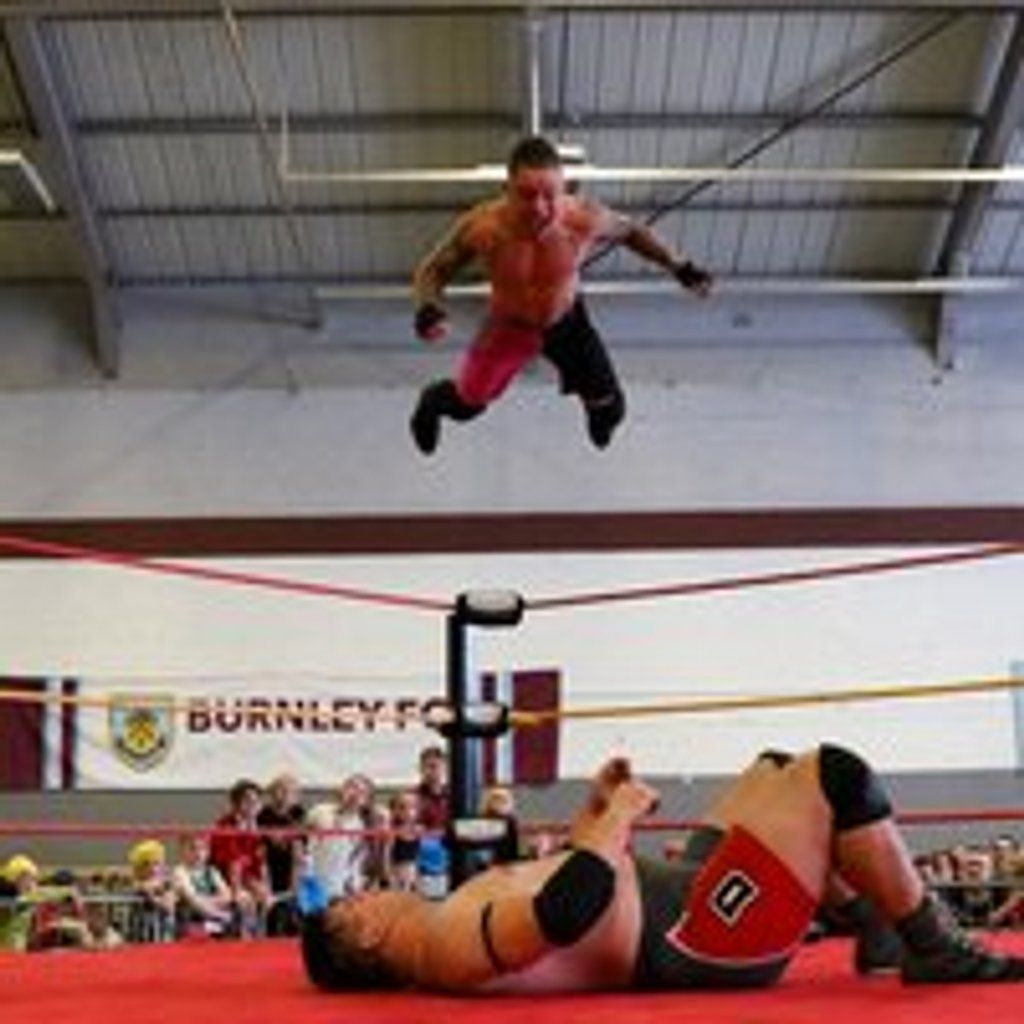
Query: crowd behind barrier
{"x": 269, "y": 858}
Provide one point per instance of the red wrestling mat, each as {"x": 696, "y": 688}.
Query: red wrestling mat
{"x": 257, "y": 982}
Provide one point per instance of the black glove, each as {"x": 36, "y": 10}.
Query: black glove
{"x": 689, "y": 275}
{"x": 428, "y": 318}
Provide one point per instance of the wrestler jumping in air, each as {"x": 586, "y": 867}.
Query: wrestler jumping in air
{"x": 531, "y": 242}
{"x": 731, "y": 914}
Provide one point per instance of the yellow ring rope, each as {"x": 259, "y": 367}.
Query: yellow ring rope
{"x": 703, "y": 705}
{"x": 533, "y": 719}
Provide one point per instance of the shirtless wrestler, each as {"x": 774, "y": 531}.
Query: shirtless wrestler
{"x": 531, "y": 242}
{"x": 731, "y": 914}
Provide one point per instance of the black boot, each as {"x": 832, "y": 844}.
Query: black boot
{"x": 603, "y": 416}
{"x": 938, "y": 951}
{"x": 877, "y": 947}
{"x": 437, "y": 400}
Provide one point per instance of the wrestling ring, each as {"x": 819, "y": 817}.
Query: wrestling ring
{"x": 201, "y": 980}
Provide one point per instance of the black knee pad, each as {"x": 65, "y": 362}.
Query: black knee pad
{"x": 604, "y": 415}
{"x": 852, "y": 788}
{"x": 574, "y": 897}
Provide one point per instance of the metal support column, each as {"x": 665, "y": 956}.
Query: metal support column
{"x": 486, "y": 609}
{"x": 463, "y": 771}
{"x": 312, "y": 317}
{"x": 990, "y": 151}
{"x": 533, "y": 90}
{"x": 61, "y": 159}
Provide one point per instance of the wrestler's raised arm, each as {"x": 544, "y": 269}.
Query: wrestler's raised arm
{"x": 641, "y": 239}
{"x": 494, "y": 926}
{"x": 433, "y": 274}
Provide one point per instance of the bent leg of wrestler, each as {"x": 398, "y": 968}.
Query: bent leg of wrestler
{"x": 496, "y": 355}
{"x": 877, "y": 946}
{"x": 871, "y": 857}
{"x": 584, "y": 368}
{"x": 785, "y": 809}
{"x": 439, "y": 399}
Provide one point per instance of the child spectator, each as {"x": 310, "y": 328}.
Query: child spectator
{"x": 100, "y": 934}
{"x": 38, "y": 917}
{"x": 499, "y": 802}
{"x": 432, "y": 788}
{"x": 402, "y": 847}
{"x": 205, "y": 904}
{"x": 344, "y": 863}
{"x": 237, "y": 851}
{"x": 151, "y": 882}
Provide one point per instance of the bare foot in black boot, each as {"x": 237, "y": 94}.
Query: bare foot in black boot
{"x": 940, "y": 952}
{"x": 878, "y": 948}
{"x": 425, "y": 425}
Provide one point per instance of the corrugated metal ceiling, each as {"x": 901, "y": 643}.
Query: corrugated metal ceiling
{"x": 183, "y": 188}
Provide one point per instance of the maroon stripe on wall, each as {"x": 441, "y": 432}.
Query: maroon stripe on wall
{"x": 489, "y": 767}
{"x": 68, "y": 735}
{"x": 556, "y": 531}
{"x": 535, "y": 750}
{"x": 21, "y": 739}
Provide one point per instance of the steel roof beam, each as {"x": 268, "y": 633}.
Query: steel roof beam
{"x": 533, "y": 85}
{"x": 299, "y": 123}
{"x": 1002, "y": 121}
{"x": 900, "y": 204}
{"x": 164, "y": 8}
{"x": 59, "y": 150}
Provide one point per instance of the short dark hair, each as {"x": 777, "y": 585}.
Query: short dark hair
{"x": 336, "y": 965}
{"x": 241, "y": 789}
{"x": 533, "y": 151}
{"x": 433, "y": 752}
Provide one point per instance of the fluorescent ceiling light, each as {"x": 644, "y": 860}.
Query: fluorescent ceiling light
{"x": 484, "y": 173}
{"x": 22, "y": 181}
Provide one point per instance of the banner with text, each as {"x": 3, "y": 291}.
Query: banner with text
{"x": 153, "y": 736}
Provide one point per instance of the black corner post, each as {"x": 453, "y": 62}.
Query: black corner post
{"x": 488, "y": 609}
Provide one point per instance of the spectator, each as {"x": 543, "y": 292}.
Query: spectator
{"x": 151, "y": 881}
{"x": 432, "y": 789}
{"x": 545, "y": 842}
{"x": 282, "y": 810}
{"x": 100, "y": 934}
{"x": 205, "y": 903}
{"x": 20, "y": 879}
{"x": 238, "y": 853}
{"x": 499, "y": 802}
{"x": 1010, "y": 912}
{"x": 1005, "y": 852}
{"x": 977, "y": 897}
{"x": 942, "y": 874}
{"x": 344, "y": 863}
{"x": 402, "y": 847}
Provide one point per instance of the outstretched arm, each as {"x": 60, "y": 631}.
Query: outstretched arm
{"x": 645, "y": 243}
{"x": 434, "y": 273}
{"x": 639, "y": 238}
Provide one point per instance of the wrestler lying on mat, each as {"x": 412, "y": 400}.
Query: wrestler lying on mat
{"x": 790, "y": 833}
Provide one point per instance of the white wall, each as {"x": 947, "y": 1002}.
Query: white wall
{"x": 821, "y": 403}
{"x": 844, "y": 412}
{"x": 930, "y": 625}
